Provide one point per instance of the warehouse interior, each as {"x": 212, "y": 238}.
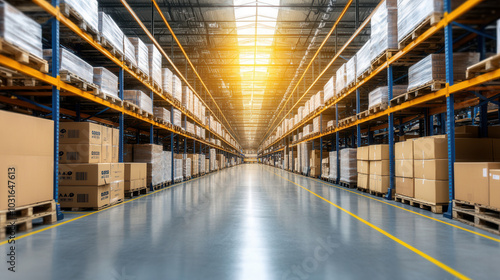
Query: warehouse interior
{"x": 233, "y": 139}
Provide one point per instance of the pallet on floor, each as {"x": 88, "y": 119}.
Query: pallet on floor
{"x": 484, "y": 66}
{"x": 377, "y": 193}
{"x": 428, "y": 22}
{"x": 76, "y": 18}
{"x": 419, "y": 91}
{"x": 437, "y": 208}
{"x": 78, "y": 82}
{"x": 21, "y": 219}
{"x": 23, "y": 56}
{"x": 84, "y": 209}
{"x": 136, "y": 192}
{"x": 480, "y": 216}
{"x": 363, "y": 190}
{"x": 349, "y": 185}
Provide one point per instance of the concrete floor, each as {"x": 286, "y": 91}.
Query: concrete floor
{"x": 252, "y": 222}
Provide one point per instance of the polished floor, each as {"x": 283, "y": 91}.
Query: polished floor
{"x": 256, "y": 222}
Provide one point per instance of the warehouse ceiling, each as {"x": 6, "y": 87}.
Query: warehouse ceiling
{"x": 249, "y": 53}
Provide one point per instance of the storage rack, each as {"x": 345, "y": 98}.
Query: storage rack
{"x": 471, "y": 92}
{"x": 55, "y": 88}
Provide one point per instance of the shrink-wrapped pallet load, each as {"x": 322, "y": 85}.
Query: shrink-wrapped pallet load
{"x": 329, "y": 90}
{"x": 129, "y": 51}
{"x": 333, "y": 165}
{"x": 154, "y": 61}
{"x": 340, "y": 79}
{"x": 110, "y": 32}
{"x": 363, "y": 59}
{"x": 348, "y": 166}
{"x": 177, "y": 121}
{"x": 153, "y": 156}
{"x": 380, "y": 95}
{"x": 412, "y": 13}
{"x": 141, "y": 55}
{"x": 139, "y": 98}
{"x": 350, "y": 71}
{"x": 178, "y": 162}
{"x": 72, "y": 64}
{"x": 107, "y": 81}
{"x": 325, "y": 168}
{"x": 162, "y": 113}
{"x": 167, "y": 81}
{"x": 384, "y": 28}
{"x": 177, "y": 88}
{"x": 87, "y": 10}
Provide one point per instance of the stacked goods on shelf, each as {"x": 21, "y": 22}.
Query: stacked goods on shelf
{"x": 129, "y": 52}
{"x": 325, "y": 168}
{"x": 291, "y": 160}
{"x": 107, "y": 81}
{"x": 178, "y": 164}
{"x": 328, "y": 90}
{"x": 141, "y": 55}
{"x": 187, "y": 167}
{"x": 20, "y": 30}
{"x": 177, "y": 88}
{"x": 316, "y": 162}
{"x": 186, "y": 98}
{"x": 177, "y": 121}
{"x": 72, "y": 64}
{"x": 340, "y": 80}
{"x": 27, "y": 159}
{"x": 162, "y": 114}
{"x": 222, "y": 161}
{"x": 433, "y": 69}
{"x": 213, "y": 159}
{"x": 307, "y": 130}
{"x": 135, "y": 176}
{"x": 86, "y": 10}
{"x": 379, "y": 96}
{"x": 80, "y": 142}
{"x": 202, "y": 162}
{"x": 285, "y": 162}
{"x": 404, "y": 181}
{"x": 203, "y": 114}
{"x": 384, "y": 28}
{"x": 306, "y": 153}
{"x": 319, "y": 125}
{"x": 378, "y": 155}
{"x": 348, "y": 166}
{"x": 110, "y": 33}
{"x": 167, "y": 78}
{"x": 330, "y": 124}
{"x": 298, "y": 162}
{"x": 154, "y": 61}
{"x": 319, "y": 100}
{"x": 140, "y": 99}
{"x": 167, "y": 162}
{"x": 188, "y": 126}
{"x": 363, "y": 59}
{"x": 363, "y": 167}
{"x": 153, "y": 156}
{"x": 350, "y": 71}
{"x": 412, "y": 13}
{"x": 115, "y": 143}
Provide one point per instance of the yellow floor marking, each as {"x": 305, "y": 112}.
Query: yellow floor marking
{"x": 399, "y": 241}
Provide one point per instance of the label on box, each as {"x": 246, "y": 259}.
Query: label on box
{"x": 496, "y": 177}
{"x": 485, "y": 172}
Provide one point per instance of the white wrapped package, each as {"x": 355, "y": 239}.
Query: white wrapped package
{"x": 325, "y": 168}
{"x": 178, "y": 166}
{"x": 71, "y": 63}
{"x": 162, "y": 113}
{"x": 196, "y": 102}
{"x": 333, "y": 165}
{"x": 187, "y": 168}
{"x": 329, "y": 89}
{"x": 153, "y": 156}
{"x": 177, "y": 88}
{"x": 154, "y": 60}
{"x": 186, "y": 97}
{"x": 109, "y": 30}
{"x": 319, "y": 100}
{"x": 87, "y": 10}
{"x": 384, "y": 29}
{"x": 177, "y": 118}
{"x": 380, "y": 94}
{"x": 167, "y": 81}
{"x": 188, "y": 126}
{"x": 140, "y": 99}
{"x": 306, "y": 155}
{"x": 20, "y": 30}
{"x": 202, "y": 164}
{"x": 340, "y": 80}
{"x": 129, "y": 51}
{"x": 213, "y": 159}
{"x": 350, "y": 71}
{"x": 330, "y": 123}
{"x": 203, "y": 113}
{"x": 141, "y": 55}
{"x": 411, "y": 13}
{"x": 363, "y": 59}
{"x": 107, "y": 81}
{"x": 167, "y": 155}
{"x": 348, "y": 165}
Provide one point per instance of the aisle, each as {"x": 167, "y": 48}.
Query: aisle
{"x": 252, "y": 222}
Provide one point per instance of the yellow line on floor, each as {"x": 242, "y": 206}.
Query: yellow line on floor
{"x": 399, "y": 207}
{"x": 399, "y": 241}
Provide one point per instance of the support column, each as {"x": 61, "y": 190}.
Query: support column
{"x": 151, "y": 127}
{"x": 358, "y": 110}
{"x": 337, "y": 142}
{"x": 390, "y": 128}
{"x": 121, "y": 124}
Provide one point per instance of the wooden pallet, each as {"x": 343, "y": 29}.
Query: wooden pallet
{"x": 437, "y": 208}
{"x": 484, "y": 66}
{"x": 112, "y": 49}
{"x": 21, "y": 219}
{"x": 480, "y": 216}
{"x": 420, "y": 91}
{"x": 428, "y": 22}
{"x": 134, "y": 108}
{"x": 78, "y": 19}
{"x": 136, "y": 192}
{"x": 381, "y": 58}
{"x": 110, "y": 98}
{"x": 363, "y": 190}
{"x": 83, "y": 209}
{"x": 363, "y": 75}
{"x": 78, "y": 82}
{"x": 23, "y": 56}
{"x": 11, "y": 78}
{"x": 142, "y": 75}
{"x": 156, "y": 86}
{"x": 377, "y": 193}
{"x": 117, "y": 202}
{"x": 347, "y": 120}
{"x": 377, "y": 108}
{"x": 347, "y": 185}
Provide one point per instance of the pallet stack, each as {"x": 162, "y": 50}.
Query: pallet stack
{"x": 378, "y": 155}
{"x": 135, "y": 179}
{"x": 404, "y": 169}
{"x": 348, "y": 167}
{"x": 363, "y": 168}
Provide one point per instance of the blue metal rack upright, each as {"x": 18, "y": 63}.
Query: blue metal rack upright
{"x": 121, "y": 117}
{"x": 390, "y": 128}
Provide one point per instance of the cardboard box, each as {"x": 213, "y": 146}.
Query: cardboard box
{"x": 404, "y": 168}
{"x": 106, "y": 153}
{"x": 379, "y": 183}
{"x": 117, "y": 172}
{"x": 407, "y": 137}
{"x": 84, "y": 196}
{"x": 80, "y": 133}
{"x": 27, "y": 152}
{"x": 430, "y": 148}
{"x": 363, "y": 153}
{"x": 472, "y": 181}
{"x": 467, "y": 131}
{"x": 106, "y": 135}
{"x": 494, "y": 182}
{"x": 431, "y": 169}
{"x": 496, "y": 149}
{"x": 379, "y": 167}
{"x": 363, "y": 166}
{"x": 431, "y": 191}
{"x": 405, "y": 186}
{"x": 115, "y": 137}
{"x": 79, "y": 153}
{"x": 128, "y": 153}
{"x": 494, "y": 131}
{"x": 473, "y": 150}
{"x": 403, "y": 150}
{"x": 84, "y": 174}
{"x": 115, "y": 150}
{"x": 117, "y": 192}
{"x": 363, "y": 181}
{"x": 135, "y": 185}
{"x": 135, "y": 171}
{"x": 378, "y": 152}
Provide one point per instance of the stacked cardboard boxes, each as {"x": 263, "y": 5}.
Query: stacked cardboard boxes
{"x": 363, "y": 167}
{"x": 152, "y": 155}
{"x": 325, "y": 169}
{"x": 135, "y": 176}
{"x": 378, "y": 156}
{"x": 316, "y": 161}
{"x": 404, "y": 181}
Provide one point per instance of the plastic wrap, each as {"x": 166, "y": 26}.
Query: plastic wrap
{"x": 325, "y": 168}
{"x": 380, "y": 94}
{"x": 333, "y": 165}
{"x": 140, "y": 99}
{"x": 162, "y": 113}
{"x": 212, "y": 160}
{"x": 329, "y": 89}
{"x": 154, "y": 61}
{"x": 186, "y": 98}
{"x": 202, "y": 163}
{"x": 20, "y": 30}
{"x": 107, "y": 81}
{"x": 348, "y": 165}
{"x": 319, "y": 100}
{"x": 196, "y": 106}
{"x": 87, "y": 10}
{"x": 203, "y": 114}
{"x": 177, "y": 118}
{"x": 306, "y": 155}
{"x": 71, "y": 63}
{"x": 141, "y": 54}
{"x": 384, "y": 29}
{"x": 109, "y": 30}
{"x": 363, "y": 58}
{"x": 177, "y": 88}
{"x": 188, "y": 126}
{"x": 411, "y": 13}
{"x": 350, "y": 71}
{"x": 167, "y": 81}
{"x": 167, "y": 159}
{"x": 340, "y": 79}
{"x": 187, "y": 168}
{"x": 330, "y": 123}
{"x": 178, "y": 166}
{"x": 153, "y": 156}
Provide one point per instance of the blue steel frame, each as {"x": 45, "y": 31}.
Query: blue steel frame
{"x": 337, "y": 142}
{"x": 390, "y": 130}
{"x": 358, "y": 127}
{"x": 121, "y": 124}
{"x": 320, "y": 146}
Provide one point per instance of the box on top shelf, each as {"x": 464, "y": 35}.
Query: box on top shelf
{"x": 129, "y": 51}
{"x": 177, "y": 121}
{"x": 412, "y": 13}
{"x": 380, "y": 95}
{"x": 87, "y": 10}
{"x": 177, "y": 88}
{"x": 84, "y": 174}
{"x": 329, "y": 89}
{"x": 20, "y": 30}
{"x": 71, "y": 63}
{"x": 80, "y": 133}
{"x": 110, "y": 32}
{"x": 140, "y": 99}
{"x": 350, "y": 71}
{"x": 363, "y": 59}
{"x": 155, "y": 63}
{"x": 340, "y": 76}
{"x": 106, "y": 80}
{"x": 141, "y": 55}
{"x": 384, "y": 29}
{"x": 167, "y": 77}
{"x": 162, "y": 113}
